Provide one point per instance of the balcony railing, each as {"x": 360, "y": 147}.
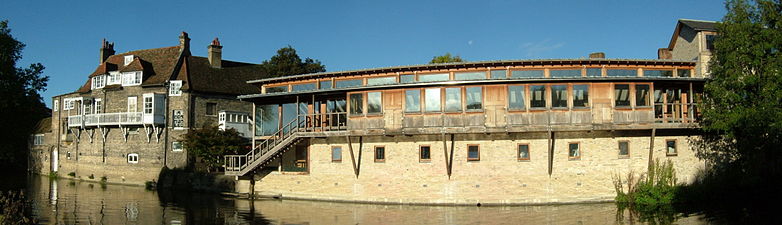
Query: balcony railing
{"x": 106, "y": 119}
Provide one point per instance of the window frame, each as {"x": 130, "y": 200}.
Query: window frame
{"x": 214, "y": 109}
{"x": 567, "y": 95}
{"x": 573, "y": 95}
{"x": 383, "y": 159}
{"x": 469, "y": 159}
{"x": 621, "y": 68}
{"x": 580, "y": 72}
{"x": 420, "y": 99}
{"x": 148, "y": 104}
{"x": 418, "y": 77}
{"x": 97, "y": 106}
{"x": 542, "y": 70}
{"x": 518, "y": 152}
{"x": 132, "y": 158}
{"x": 578, "y": 151}
{"x": 545, "y": 95}
{"x": 135, "y": 103}
{"x": 334, "y": 160}
{"x": 649, "y": 98}
{"x": 485, "y": 74}
{"x": 175, "y": 88}
{"x": 175, "y": 149}
{"x": 464, "y": 98}
{"x": 619, "y": 149}
{"x": 444, "y": 99}
{"x": 360, "y": 106}
{"x": 629, "y": 96}
{"x": 524, "y": 101}
{"x": 440, "y": 91}
{"x": 675, "y": 147}
{"x": 420, "y": 155}
{"x": 366, "y": 104}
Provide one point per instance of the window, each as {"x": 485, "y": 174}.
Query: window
{"x": 424, "y": 153}
{"x": 516, "y": 97}
{"x": 622, "y": 95}
{"x": 38, "y": 139}
{"x": 453, "y": 99}
{"x": 98, "y": 81}
{"x": 211, "y": 109}
{"x": 336, "y": 154}
{"x": 356, "y": 104}
{"x": 132, "y": 101}
{"x": 133, "y": 158}
{"x": 68, "y": 155}
{"x": 559, "y": 96}
{"x": 131, "y": 78}
{"x": 374, "y": 102}
{"x": 325, "y": 85}
{"x": 499, "y": 74}
{"x": 710, "y": 41}
{"x": 128, "y": 59}
{"x": 469, "y": 76}
{"x": 303, "y": 87}
{"x": 581, "y": 96}
{"x": 683, "y": 72}
{"x": 433, "y": 77}
{"x": 473, "y": 153}
{"x": 175, "y": 88}
{"x": 670, "y": 148}
{"x": 178, "y": 119}
{"x": 432, "y": 99}
{"x": 594, "y": 72}
{"x": 147, "y": 104}
{"x": 412, "y": 101}
{"x": 624, "y": 149}
{"x": 98, "y": 105}
{"x": 349, "y": 83}
{"x": 270, "y": 90}
{"x": 574, "y": 153}
{"x": 526, "y": 74}
{"x": 538, "y": 95}
{"x": 642, "y": 95}
{"x": 380, "y": 154}
{"x": 621, "y": 73}
{"x": 115, "y": 78}
{"x": 565, "y": 73}
{"x": 474, "y": 98}
{"x": 658, "y": 73}
{"x": 381, "y": 81}
{"x": 523, "y": 152}
{"x": 406, "y": 78}
{"x": 56, "y": 105}
{"x": 177, "y": 146}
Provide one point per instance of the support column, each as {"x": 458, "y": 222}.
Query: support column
{"x": 651, "y": 149}
{"x": 550, "y": 152}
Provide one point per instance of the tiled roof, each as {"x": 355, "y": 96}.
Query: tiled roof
{"x": 135, "y": 65}
{"x": 157, "y": 64}
{"x": 44, "y": 126}
{"x": 700, "y": 24}
{"x": 230, "y": 79}
{"x": 104, "y": 68}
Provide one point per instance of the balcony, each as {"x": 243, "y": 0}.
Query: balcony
{"x": 114, "y": 119}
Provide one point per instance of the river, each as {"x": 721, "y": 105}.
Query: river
{"x": 65, "y": 201}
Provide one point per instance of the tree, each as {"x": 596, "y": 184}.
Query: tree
{"x": 447, "y": 58}
{"x": 287, "y": 63}
{"x": 21, "y": 105}
{"x": 210, "y": 144}
{"x": 742, "y": 111}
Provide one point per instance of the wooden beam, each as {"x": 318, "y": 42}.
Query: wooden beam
{"x": 450, "y": 161}
{"x": 360, "y": 146}
{"x": 550, "y": 152}
{"x": 445, "y": 154}
{"x": 352, "y": 157}
{"x": 651, "y": 148}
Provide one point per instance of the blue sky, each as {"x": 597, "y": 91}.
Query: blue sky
{"x": 344, "y": 35}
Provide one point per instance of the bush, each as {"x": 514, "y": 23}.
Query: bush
{"x": 658, "y": 187}
{"x": 92, "y": 176}
{"x": 72, "y": 174}
{"x": 53, "y": 175}
{"x": 14, "y": 209}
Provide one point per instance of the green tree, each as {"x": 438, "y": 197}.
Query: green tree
{"x": 742, "y": 111}
{"x": 287, "y": 63}
{"x": 447, "y": 58}
{"x": 210, "y": 144}
{"x": 21, "y": 105}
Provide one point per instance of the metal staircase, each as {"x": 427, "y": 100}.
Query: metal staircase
{"x": 239, "y": 165}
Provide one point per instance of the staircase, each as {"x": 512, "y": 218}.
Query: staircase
{"x": 239, "y": 165}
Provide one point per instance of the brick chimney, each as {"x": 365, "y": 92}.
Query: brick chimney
{"x": 597, "y": 55}
{"x": 184, "y": 43}
{"x": 664, "y": 53}
{"x": 106, "y": 50}
{"x": 216, "y": 54}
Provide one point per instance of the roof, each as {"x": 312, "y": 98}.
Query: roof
{"x": 700, "y": 24}
{"x": 161, "y": 61}
{"x": 44, "y": 126}
{"x": 457, "y": 65}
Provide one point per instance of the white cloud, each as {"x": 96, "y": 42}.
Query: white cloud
{"x": 534, "y": 49}
{"x": 469, "y": 42}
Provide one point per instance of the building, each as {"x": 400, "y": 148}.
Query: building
{"x": 692, "y": 40}
{"x": 126, "y": 122}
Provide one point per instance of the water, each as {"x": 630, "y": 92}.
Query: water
{"x": 65, "y": 201}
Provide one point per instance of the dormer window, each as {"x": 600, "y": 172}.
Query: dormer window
{"x": 128, "y": 59}
{"x": 114, "y": 78}
{"x": 131, "y": 78}
{"x": 98, "y": 81}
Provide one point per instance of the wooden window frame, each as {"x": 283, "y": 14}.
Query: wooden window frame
{"x": 206, "y": 109}
{"x": 529, "y": 153}
{"x": 366, "y": 104}
{"x": 384, "y": 153}
{"x": 572, "y": 97}
{"x": 442, "y": 100}
{"x": 582, "y": 72}
{"x": 619, "y": 150}
{"x": 649, "y": 100}
{"x": 574, "y": 158}
{"x": 546, "y": 97}
{"x": 420, "y": 149}
{"x": 525, "y": 91}
{"x": 332, "y": 154}
{"x": 468, "y": 153}
{"x": 675, "y": 147}
{"x": 464, "y": 99}
{"x": 630, "y": 98}
{"x": 420, "y": 101}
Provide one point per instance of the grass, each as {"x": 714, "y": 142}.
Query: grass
{"x": 656, "y": 187}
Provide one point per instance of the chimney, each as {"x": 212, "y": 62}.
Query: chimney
{"x": 664, "y": 53}
{"x": 216, "y": 54}
{"x": 184, "y": 43}
{"x": 106, "y": 50}
{"x": 597, "y": 55}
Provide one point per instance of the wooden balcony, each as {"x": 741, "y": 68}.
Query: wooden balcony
{"x": 115, "y": 119}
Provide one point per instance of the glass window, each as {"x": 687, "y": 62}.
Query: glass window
{"x": 374, "y": 102}
{"x": 380, "y": 153}
{"x": 710, "y": 41}
{"x": 538, "y": 96}
{"x": 474, "y": 98}
{"x": 469, "y": 76}
{"x": 211, "y": 109}
{"x": 424, "y": 153}
{"x": 499, "y": 74}
{"x": 412, "y": 101}
{"x": 526, "y": 74}
{"x": 658, "y": 73}
{"x": 523, "y": 152}
{"x": 336, "y": 154}
{"x": 559, "y": 96}
{"x": 473, "y": 153}
{"x": 621, "y": 73}
{"x": 133, "y": 158}
{"x": 641, "y": 95}
{"x": 303, "y": 87}
{"x": 432, "y": 99}
{"x": 147, "y": 105}
{"x": 453, "y": 99}
{"x": 594, "y": 72}
{"x": 381, "y": 81}
{"x": 268, "y": 119}
{"x": 356, "y": 104}
{"x": 325, "y": 85}
{"x": 132, "y": 104}
{"x": 565, "y": 73}
{"x": 407, "y": 78}
{"x": 177, "y": 146}
{"x": 624, "y": 149}
{"x": 349, "y": 83}
{"x": 175, "y": 88}
{"x": 683, "y": 72}
{"x": 621, "y": 95}
{"x": 670, "y": 147}
{"x": 433, "y": 77}
{"x": 276, "y": 89}
{"x": 98, "y": 106}
{"x": 574, "y": 152}
{"x": 516, "y": 97}
{"x": 580, "y": 96}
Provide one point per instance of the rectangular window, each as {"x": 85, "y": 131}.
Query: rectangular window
{"x": 473, "y": 153}
{"x": 581, "y": 96}
{"x": 658, "y": 73}
{"x": 56, "y": 105}
{"x": 131, "y": 78}
{"x": 424, "y": 153}
{"x": 406, "y": 78}
{"x": 177, "y": 146}
{"x": 527, "y": 74}
{"x": 136, "y": 77}
{"x": 349, "y": 83}
{"x": 178, "y": 119}
{"x": 683, "y": 72}
{"x": 132, "y": 102}
{"x": 148, "y": 105}
{"x": 277, "y": 89}
{"x": 412, "y": 101}
{"x": 453, "y": 99}
{"x": 175, "y": 88}
{"x": 469, "y": 76}
{"x": 381, "y": 81}
{"x": 621, "y": 95}
{"x": 516, "y": 97}
{"x": 98, "y": 106}
{"x": 38, "y": 139}
{"x": 642, "y": 95}
{"x": 523, "y": 152}
{"x": 374, "y": 102}
{"x": 538, "y": 96}
{"x": 432, "y": 100}
{"x": 133, "y": 158}
{"x": 336, "y": 154}
{"x": 574, "y": 152}
{"x": 356, "y": 104}
{"x": 325, "y": 85}
{"x": 433, "y": 77}
{"x": 621, "y": 73}
{"x": 624, "y": 149}
{"x": 594, "y": 72}
{"x": 380, "y": 154}
{"x": 710, "y": 41}
{"x": 211, "y": 109}
{"x": 565, "y": 73}
{"x": 559, "y": 96}
{"x": 670, "y": 148}
{"x": 303, "y": 87}
{"x": 499, "y": 74}
{"x": 474, "y": 98}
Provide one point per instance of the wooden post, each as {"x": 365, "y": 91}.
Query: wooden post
{"x": 550, "y": 152}
{"x": 352, "y": 157}
{"x": 450, "y": 161}
{"x": 445, "y": 154}
{"x": 651, "y": 148}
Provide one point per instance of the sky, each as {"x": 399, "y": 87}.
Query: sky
{"x": 65, "y": 36}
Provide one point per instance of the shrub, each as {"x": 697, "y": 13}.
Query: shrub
{"x": 92, "y": 176}
{"x": 53, "y": 175}
{"x": 72, "y": 174}
{"x": 658, "y": 187}
{"x": 15, "y": 209}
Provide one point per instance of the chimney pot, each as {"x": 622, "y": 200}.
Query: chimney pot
{"x": 597, "y": 55}
{"x": 106, "y": 50}
{"x": 215, "y": 54}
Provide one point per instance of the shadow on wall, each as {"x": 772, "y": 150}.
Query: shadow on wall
{"x": 180, "y": 179}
